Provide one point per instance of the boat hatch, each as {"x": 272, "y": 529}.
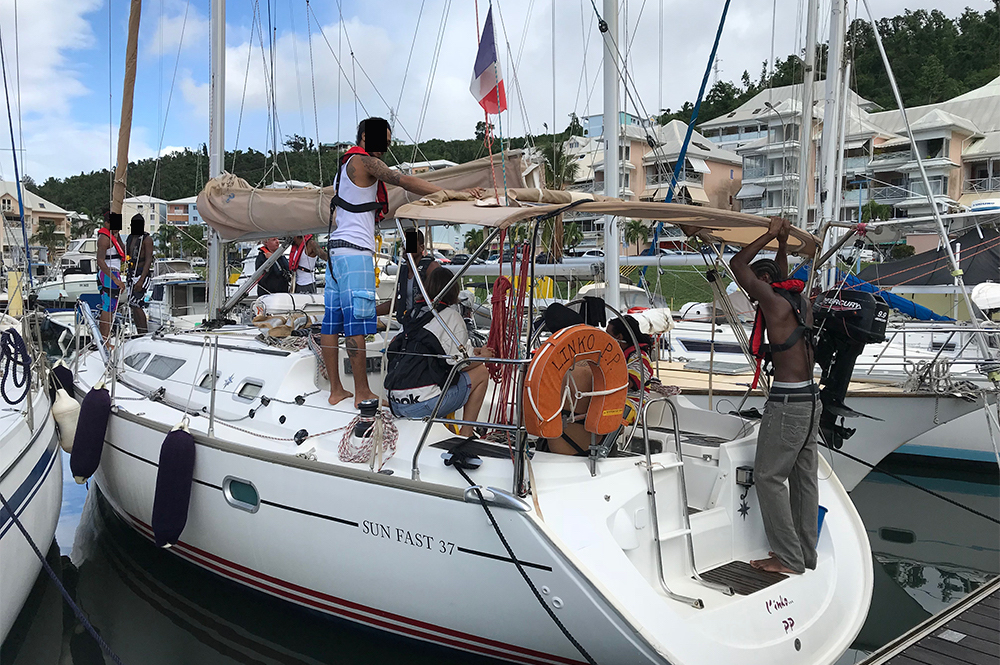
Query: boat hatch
{"x": 163, "y": 367}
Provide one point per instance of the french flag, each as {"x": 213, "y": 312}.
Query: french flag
{"x": 487, "y": 81}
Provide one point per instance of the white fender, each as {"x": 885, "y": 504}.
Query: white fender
{"x": 66, "y": 412}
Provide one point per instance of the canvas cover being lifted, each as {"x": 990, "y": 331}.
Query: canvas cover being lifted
{"x": 239, "y": 211}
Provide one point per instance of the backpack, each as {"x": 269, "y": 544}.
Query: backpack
{"x": 410, "y": 365}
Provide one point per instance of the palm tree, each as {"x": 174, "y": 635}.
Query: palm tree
{"x": 46, "y": 237}
{"x": 572, "y": 235}
{"x": 474, "y": 238}
{"x": 166, "y": 236}
{"x": 636, "y": 231}
{"x": 873, "y": 210}
{"x": 565, "y": 170}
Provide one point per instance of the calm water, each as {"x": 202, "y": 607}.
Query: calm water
{"x": 153, "y": 608}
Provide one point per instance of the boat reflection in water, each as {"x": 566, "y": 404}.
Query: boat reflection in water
{"x": 928, "y": 553}
{"x": 155, "y": 609}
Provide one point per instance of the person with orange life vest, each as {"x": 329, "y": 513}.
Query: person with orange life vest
{"x": 787, "y": 441}
{"x": 110, "y": 255}
{"x": 360, "y": 203}
{"x": 302, "y": 262}
{"x": 275, "y": 279}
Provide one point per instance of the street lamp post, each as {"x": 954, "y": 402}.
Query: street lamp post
{"x": 784, "y": 142}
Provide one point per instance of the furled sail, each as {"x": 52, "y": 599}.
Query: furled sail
{"x": 239, "y": 211}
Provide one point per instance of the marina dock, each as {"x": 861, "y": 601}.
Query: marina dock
{"x": 967, "y": 633}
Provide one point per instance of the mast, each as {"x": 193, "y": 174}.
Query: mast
{"x": 125, "y": 128}
{"x": 805, "y": 129}
{"x": 611, "y": 162}
{"x": 830, "y": 176}
{"x": 216, "y": 151}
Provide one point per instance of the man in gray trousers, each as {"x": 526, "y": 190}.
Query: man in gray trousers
{"x": 786, "y": 444}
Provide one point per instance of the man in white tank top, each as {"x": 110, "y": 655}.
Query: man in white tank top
{"x": 349, "y": 295}
{"x": 302, "y": 261}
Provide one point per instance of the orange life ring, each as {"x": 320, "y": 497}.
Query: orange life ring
{"x": 543, "y": 386}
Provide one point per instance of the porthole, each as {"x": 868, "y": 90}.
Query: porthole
{"x": 249, "y": 390}
{"x": 241, "y": 494}
{"x": 206, "y": 382}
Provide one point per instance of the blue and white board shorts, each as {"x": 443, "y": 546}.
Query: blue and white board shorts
{"x": 349, "y": 296}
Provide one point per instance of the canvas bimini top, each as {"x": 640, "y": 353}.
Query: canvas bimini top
{"x": 520, "y": 205}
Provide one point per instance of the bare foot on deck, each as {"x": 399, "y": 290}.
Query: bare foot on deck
{"x": 772, "y": 564}
{"x": 362, "y": 396}
{"x": 339, "y": 396}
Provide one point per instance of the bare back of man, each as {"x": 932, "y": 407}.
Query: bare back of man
{"x": 786, "y": 459}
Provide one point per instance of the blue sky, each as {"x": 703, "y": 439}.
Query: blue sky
{"x": 62, "y": 49}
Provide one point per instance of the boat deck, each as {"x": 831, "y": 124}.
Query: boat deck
{"x": 695, "y": 378}
{"x": 967, "y": 633}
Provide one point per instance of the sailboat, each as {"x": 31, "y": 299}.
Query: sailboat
{"x": 523, "y": 555}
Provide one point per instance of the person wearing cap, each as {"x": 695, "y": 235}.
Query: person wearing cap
{"x": 787, "y": 440}
{"x": 139, "y": 250}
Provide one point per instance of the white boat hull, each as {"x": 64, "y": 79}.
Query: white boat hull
{"x": 31, "y": 482}
{"x": 420, "y": 558}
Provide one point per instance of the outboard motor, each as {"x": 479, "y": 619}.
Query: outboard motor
{"x": 845, "y": 321}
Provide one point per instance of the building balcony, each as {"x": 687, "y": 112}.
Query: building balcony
{"x": 933, "y": 164}
{"x": 663, "y": 179}
{"x": 888, "y": 194}
{"x": 772, "y": 178}
{"x": 856, "y": 163}
{"x": 896, "y": 157}
{"x": 976, "y": 185}
{"x": 789, "y": 146}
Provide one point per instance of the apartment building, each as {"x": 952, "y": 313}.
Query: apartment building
{"x": 183, "y": 212}
{"x": 38, "y": 213}
{"x": 710, "y": 175}
{"x": 958, "y": 141}
{"x": 152, "y": 209}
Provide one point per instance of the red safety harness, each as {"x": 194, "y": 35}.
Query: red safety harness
{"x": 789, "y": 290}
{"x": 295, "y": 255}
{"x": 381, "y": 203}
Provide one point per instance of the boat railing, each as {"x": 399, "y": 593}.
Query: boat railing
{"x": 685, "y": 530}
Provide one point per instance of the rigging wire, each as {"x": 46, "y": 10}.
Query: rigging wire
{"x": 431, "y": 77}
{"x": 312, "y": 79}
{"x": 406, "y": 70}
{"x": 515, "y": 79}
{"x": 246, "y": 78}
{"x": 111, "y": 117}
{"x": 353, "y": 89}
{"x": 170, "y": 95}
{"x": 295, "y": 61}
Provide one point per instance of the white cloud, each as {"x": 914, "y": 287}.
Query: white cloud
{"x": 47, "y": 32}
{"x": 162, "y": 33}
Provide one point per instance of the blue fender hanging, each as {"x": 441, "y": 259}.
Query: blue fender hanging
{"x": 90, "y": 430}
{"x": 173, "y": 486}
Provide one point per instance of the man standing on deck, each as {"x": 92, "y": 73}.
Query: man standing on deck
{"x": 786, "y": 444}
{"x": 140, "y": 261}
{"x": 349, "y": 296}
{"x": 110, "y": 255}
{"x": 302, "y": 262}
{"x": 275, "y": 279}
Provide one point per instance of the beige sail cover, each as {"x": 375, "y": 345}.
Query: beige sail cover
{"x": 238, "y": 211}
{"x": 725, "y": 226}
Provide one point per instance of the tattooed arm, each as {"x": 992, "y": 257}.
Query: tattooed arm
{"x": 376, "y": 169}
